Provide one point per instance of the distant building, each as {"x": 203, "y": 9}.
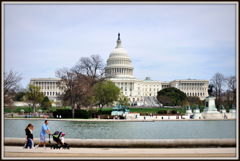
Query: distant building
{"x": 140, "y": 92}
{"x": 144, "y": 92}
{"x": 48, "y": 86}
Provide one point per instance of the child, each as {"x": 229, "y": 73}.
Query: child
{"x": 65, "y": 145}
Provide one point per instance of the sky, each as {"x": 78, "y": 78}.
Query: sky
{"x": 164, "y": 41}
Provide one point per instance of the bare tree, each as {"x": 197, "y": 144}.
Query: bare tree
{"x": 78, "y": 81}
{"x": 11, "y": 85}
{"x": 67, "y": 84}
{"x": 231, "y": 91}
{"x": 218, "y": 80}
{"x": 90, "y": 66}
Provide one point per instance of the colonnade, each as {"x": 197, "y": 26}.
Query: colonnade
{"x": 123, "y": 71}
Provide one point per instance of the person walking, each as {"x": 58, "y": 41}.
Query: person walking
{"x": 45, "y": 130}
{"x": 29, "y": 136}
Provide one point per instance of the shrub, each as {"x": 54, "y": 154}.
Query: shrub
{"x": 65, "y": 113}
{"x": 162, "y": 112}
{"x": 104, "y": 112}
{"x": 7, "y": 110}
{"x": 174, "y": 111}
{"x": 46, "y": 104}
{"x": 82, "y": 114}
{"x": 121, "y": 117}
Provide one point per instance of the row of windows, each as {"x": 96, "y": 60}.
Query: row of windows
{"x": 151, "y": 85}
{"x": 191, "y": 84}
{"x": 44, "y": 87}
{"x": 52, "y": 93}
{"x": 119, "y": 62}
{"x": 192, "y": 88}
{"x": 195, "y": 94}
{"x": 154, "y": 89}
{"x": 118, "y": 84}
{"x": 130, "y": 89}
{"x": 45, "y": 83}
{"x": 165, "y": 86}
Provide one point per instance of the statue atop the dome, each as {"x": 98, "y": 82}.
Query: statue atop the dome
{"x": 118, "y": 36}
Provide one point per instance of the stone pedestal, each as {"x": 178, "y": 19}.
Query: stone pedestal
{"x": 21, "y": 112}
{"x": 232, "y": 113}
{"x": 210, "y": 111}
{"x": 223, "y": 111}
{"x": 188, "y": 111}
{"x": 196, "y": 113}
{"x": 210, "y": 105}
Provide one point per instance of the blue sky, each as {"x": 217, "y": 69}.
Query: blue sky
{"x": 164, "y": 42}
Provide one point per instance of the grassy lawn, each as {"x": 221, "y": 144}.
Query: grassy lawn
{"x": 108, "y": 110}
{"x": 148, "y": 110}
{"x": 154, "y": 110}
{"x": 26, "y": 109}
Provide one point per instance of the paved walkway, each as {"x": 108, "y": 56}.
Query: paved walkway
{"x": 19, "y": 152}
{"x": 149, "y": 119}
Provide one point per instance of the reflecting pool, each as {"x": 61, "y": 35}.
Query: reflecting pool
{"x": 128, "y": 130}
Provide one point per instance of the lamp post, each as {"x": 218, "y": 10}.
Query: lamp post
{"x": 29, "y": 104}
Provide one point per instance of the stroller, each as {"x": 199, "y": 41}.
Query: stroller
{"x": 56, "y": 137}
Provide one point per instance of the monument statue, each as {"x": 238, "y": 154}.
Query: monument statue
{"x": 210, "y": 89}
{"x": 120, "y": 110}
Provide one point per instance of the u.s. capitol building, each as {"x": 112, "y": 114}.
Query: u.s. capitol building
{"x": 140, "y": 92}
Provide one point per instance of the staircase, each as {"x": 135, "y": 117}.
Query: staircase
{"x": 151, "y": 101}
{"x": 154, "y": 101}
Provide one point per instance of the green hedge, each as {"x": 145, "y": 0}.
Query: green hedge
{"x": 174, "y": 111}
{"x": 104, "y": 112}
{"x": 7, "y": 110}
{"x": 162, "y": 112}
{"x": 82, "y": 114}
{"x": 67, "y": 113}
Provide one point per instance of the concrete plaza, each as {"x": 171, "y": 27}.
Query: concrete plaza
{"x": 11, "y": 152}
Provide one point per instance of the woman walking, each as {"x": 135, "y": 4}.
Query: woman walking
{"x": 29, "y": 136}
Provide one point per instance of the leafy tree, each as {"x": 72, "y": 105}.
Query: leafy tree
{"x": 105, "y": 92}
{"x": 46, "y": 103}
{"x": 123, "y": 100}
{"x": 11, "y": 85}
{"x": 177, "y": 96}
{"x": 20, "y": 95}
{"x": 165, "y": 100}
{"x": 34, "y": 95}
{"x": 193, "y": 100}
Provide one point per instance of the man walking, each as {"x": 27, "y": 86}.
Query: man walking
{"x": 45, "y": 130}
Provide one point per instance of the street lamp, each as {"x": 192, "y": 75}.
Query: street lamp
{"x": 29, "y": 104}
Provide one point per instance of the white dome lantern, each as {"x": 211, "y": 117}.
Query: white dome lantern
{"x": 119, "y": 63}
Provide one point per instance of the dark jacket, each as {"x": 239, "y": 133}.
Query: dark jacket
{"x": 28, "y": 133}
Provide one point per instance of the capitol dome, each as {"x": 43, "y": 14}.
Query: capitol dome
{"x": 119, "y": 63}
